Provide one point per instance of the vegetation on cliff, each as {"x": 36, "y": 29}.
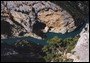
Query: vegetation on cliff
{"x": 57, "y": 49}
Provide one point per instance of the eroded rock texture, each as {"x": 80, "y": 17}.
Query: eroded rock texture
{"x": 20, "y": 16}
{"x": 82, "y": 46}
{"x": 81, "y": 50}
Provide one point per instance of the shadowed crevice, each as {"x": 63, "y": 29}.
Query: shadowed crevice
{"x": 6, "y": 28}
{"x": 37, "y": 29}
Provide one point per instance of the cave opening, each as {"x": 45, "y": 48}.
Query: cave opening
{"x": 37, "y": 29}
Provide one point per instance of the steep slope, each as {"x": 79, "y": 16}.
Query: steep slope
{"x": 20, "y": 17}
{"x": 82, "y": 46}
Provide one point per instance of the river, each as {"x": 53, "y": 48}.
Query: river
{"x": 49, "y": 35}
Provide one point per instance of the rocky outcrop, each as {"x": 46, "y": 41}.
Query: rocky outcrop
{"x": 22, "y": 15}
{"x": 32, "y": 18}
{"x": 81, "y": 50}
{"x": 59, "y": 21}
{"x": 82, "y": 46}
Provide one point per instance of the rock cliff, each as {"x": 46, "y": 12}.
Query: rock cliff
{"x": 82, "y": 47}
{"x": 18, "y": 18}
{"x": 33, "y": 18}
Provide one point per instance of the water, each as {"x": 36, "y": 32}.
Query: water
{"x": 11, "y": 53}
{"x": 11, "y": 41}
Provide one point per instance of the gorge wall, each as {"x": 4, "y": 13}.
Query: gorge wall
{"x": 18, "y": 17}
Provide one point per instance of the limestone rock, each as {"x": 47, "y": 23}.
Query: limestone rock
{"x": 57, "y": 20}
{"x": 22, "y": 15}
{"x": 82, "y": 47}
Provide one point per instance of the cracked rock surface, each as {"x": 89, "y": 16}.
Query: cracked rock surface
{"x": 82, "y": 46}
{"x": 20, "y": 16}
{"x": 32, "y": 18}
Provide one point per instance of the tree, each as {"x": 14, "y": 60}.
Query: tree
{"x": 57, "y": 49}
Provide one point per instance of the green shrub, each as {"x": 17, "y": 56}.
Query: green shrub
{"x": 63, "y": 45}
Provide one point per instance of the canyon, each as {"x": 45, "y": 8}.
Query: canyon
{"x": 45, "y": 19}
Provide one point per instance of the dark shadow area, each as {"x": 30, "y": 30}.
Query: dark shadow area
{"x": 49, "y": 35}
{"x": 22, "y": 33}
{"x": 22, "y": 58}
{"x": 6, "y": 28}
{"x": 75, "y": 11}
{"x": 79, "y": 23}
{"x": 13, "y": 53}
{"x": 37, "y": 29}
{"x": 30, "y": 53}
{"x": 33, "y": 52}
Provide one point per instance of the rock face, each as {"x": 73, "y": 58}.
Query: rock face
{"x": 60, "y": 21}
{"x": 81, "y": 50}
{"x": 82, "y": 46}
{"x": 19, "y": 17}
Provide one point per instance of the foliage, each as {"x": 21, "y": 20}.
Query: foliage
{"x": 57, "y": 49}
{"x": 54, "y": 40}
{"x": 22, "y": 43}
{"x": 25, "y": 43}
